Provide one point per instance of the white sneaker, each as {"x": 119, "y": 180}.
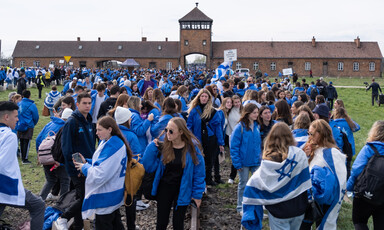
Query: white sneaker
{"x": 230, "y": 181}
{"x": 51, "y": 197}
{"x": 140, "y": 205}
{"x": 61, "y": 224}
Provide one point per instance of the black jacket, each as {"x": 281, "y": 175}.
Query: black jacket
{"x": 375, "y": 88}
{"x": 106, "y": 106}
{"x": 331, "y": 92}
{"x": 21, "y": 85}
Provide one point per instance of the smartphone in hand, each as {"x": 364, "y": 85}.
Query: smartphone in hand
{"x": 77, "y": 157}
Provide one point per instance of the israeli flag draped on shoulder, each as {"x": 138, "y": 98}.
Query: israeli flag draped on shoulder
{"x": 221, "y": 70}
{"x": 104, "y": 186}
{"x": 273, "y": 183}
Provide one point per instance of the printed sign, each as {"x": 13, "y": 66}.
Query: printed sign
{"x": 230, "y": 55}
{"x": 61, "y": 61}
{"x": 287, "y": 71}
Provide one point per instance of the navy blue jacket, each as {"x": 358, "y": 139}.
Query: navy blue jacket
{"x": 78, "y": 136}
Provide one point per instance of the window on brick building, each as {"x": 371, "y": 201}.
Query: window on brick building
{"x": 52, "y": 63}
{"x": 152, "y": 65}
{"x": 120, "y": 47}
{"x": 169, "y": 65}
{"x": 255, "y": 66}
{"x": 186, "y": 42}
{"x": 340, "y": 66}
{"x": 22, "y": 64}
{"x": 80, "y": 47}
{"x": 36, "y": 63}
{"x": 273, "y": 65}
{"x": 356, "y": 66}
{"x": 372, "y": 66}
{"x": 307, "y": 66}
{"x": 204, "y": 42}
{"x": 159, "y": 47}
{"x": 238, "y": 65}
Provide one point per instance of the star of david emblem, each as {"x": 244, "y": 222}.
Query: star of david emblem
{"x": 287, "y": 168}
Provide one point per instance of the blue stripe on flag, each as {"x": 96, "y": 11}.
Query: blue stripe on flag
{"x": 9, "y": 185}
{"x": 295, "y": 182}
{"x": 103, "y": 200}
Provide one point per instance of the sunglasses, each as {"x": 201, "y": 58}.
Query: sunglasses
{"x": 170, "y": 131}
{"x": 249, "y": 81}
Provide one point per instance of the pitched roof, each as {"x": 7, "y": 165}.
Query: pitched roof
{"x": 195, "y": 15}
{"x": 298, "y": 49}
{"x": 97, "y": 49}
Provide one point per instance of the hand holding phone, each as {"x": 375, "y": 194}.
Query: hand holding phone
{"x": 77, "y": 158}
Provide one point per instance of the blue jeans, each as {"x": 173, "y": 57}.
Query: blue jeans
{"x": 243, "y": 179}
{"x": 293, "y": 223}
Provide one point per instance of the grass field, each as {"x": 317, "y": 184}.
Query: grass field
{"x": 357, "y": 102}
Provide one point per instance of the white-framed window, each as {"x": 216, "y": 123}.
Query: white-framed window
{"x": 255, "y": 66}
{"x": 186, "y": 42}
{"x": 52, "y": 63}
{"x": 307, "y": 66}
{"x": 159, "y": 47}
{"x": 119, "y": 47}
{"x": 371, "y": 66}
{"x": 340, "y": 66}
{"x": 273, "y": 65}
{"x": 22, "y": 64}
{"x": 169, "y": 65}
{"x": 238, "y": 65}
{"x": 356, "y": 66}
{"x": 37, "y": 63}
{"x": 80, "y": 47}
{"x": 204, "y": 42}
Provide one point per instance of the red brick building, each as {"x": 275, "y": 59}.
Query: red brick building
{"x": 355, "y": 58}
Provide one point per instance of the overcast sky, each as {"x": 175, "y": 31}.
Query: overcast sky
{"x": 238, "y": 20}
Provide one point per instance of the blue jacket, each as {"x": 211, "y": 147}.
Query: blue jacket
{"x": 157, "y": 128}
{"x": 28, "y": 113}
{"x": 337, "y": 136}
{"x": 251, "y": 87}
{"x": 300, "y": 89}
{"x": 240, "y": 92}
{"x": 78, "y": 136}
{"x": 140, "y": 126}
{"x": 54, "y": 125}
{"x": 132, "y": 139}
{"x": 193, "y": 179}
{"x": 140, "y": 84}
{"x": 245, "y": 146}
{"x": 214, "y": 126}
{"x": 362, "y": 160}
{"x": 66, "y": 88}
{"x": 343, "y": 125}
{"x": 94, "y": 101}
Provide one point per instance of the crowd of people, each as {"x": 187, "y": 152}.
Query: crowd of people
{"x": 292, "y": 138}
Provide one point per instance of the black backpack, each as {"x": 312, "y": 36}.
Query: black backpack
{"x": 347, "y": 147}
{"x": 204, "y": 128}
{"x": 313, "y": 93}
{"x": 56, "y": 151}
{"x": 369, "y": 184}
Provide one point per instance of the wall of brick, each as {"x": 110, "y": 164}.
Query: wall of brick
{"x": 195, "y": 44}
{"x": 318, "y": 69}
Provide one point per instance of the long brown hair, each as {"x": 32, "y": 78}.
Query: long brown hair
{"x": 342, "y": 113}
{"x": 146, "y": 96}
{"x": 206, "y": 114}
{"x": 302, "y": 122}
{"x": 121, "y": 100}
{"x": 248, "y": 109}
{"x": 325, "y": 137}
{"x": 224, "y": 108}
{"x": 169, "y": 106}
{"x": 187, "y": 137}
{"x": 108, "y": 122}
{"x": 282, "y": 111}
{"x": 134, "y": 103}
{"x": 158, "y": 96}
{"x": 306, "y": 109}
{"x": 277, "y": 142}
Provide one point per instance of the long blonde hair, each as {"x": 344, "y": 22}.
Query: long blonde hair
{"x": 187, "y": 137}
{"x": 134, "y": 103}
{"x": 377, "y": 132}
{"x": 277, "y": 142}
{"x": 206, "y": 114}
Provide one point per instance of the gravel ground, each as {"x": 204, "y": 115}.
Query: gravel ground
{"x": 218, "y": 209}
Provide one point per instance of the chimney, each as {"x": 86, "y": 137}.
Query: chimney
{"x": 99, "y": 39}
{"x": 357, "y": 41}
{"x": 78, "y": 39}
{"x": 313, "y": 41}
{"x": 143, "y": 39}
{"x": 166, "y": 39}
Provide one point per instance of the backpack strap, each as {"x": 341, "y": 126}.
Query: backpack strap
{"x": 374, "y": 149}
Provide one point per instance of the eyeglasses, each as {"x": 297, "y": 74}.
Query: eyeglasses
{"x": 170, "y": 131}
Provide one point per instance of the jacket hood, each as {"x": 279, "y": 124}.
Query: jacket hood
{"x": 57, "y": 120}
{"x": 379, "y": 146}
{"x": 80, "y": 116}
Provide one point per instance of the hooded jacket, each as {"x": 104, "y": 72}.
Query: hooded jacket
{"x": 343, "y": 125}
{"x": 78, "y": 136}
{"x": 54, "y": 125}
{"x": 140, "y": 127}
{"x": 28, "y": 113}
{"x": 137, "y": 150}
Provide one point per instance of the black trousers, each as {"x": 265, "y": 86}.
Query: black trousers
{"x": 109, "y": 221}
{"x": 233, "y": 173}
{"x": 166, "y": 199}
{"x": 374, "y": 98}
{"x": 40, "y": 88}
{"x": 75, "y": 209}
{"x": 210, "y": 150}
{"x": 130, "y": 213}
{"x": 24, "y": 149}
{"x": 361, "y": 212}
